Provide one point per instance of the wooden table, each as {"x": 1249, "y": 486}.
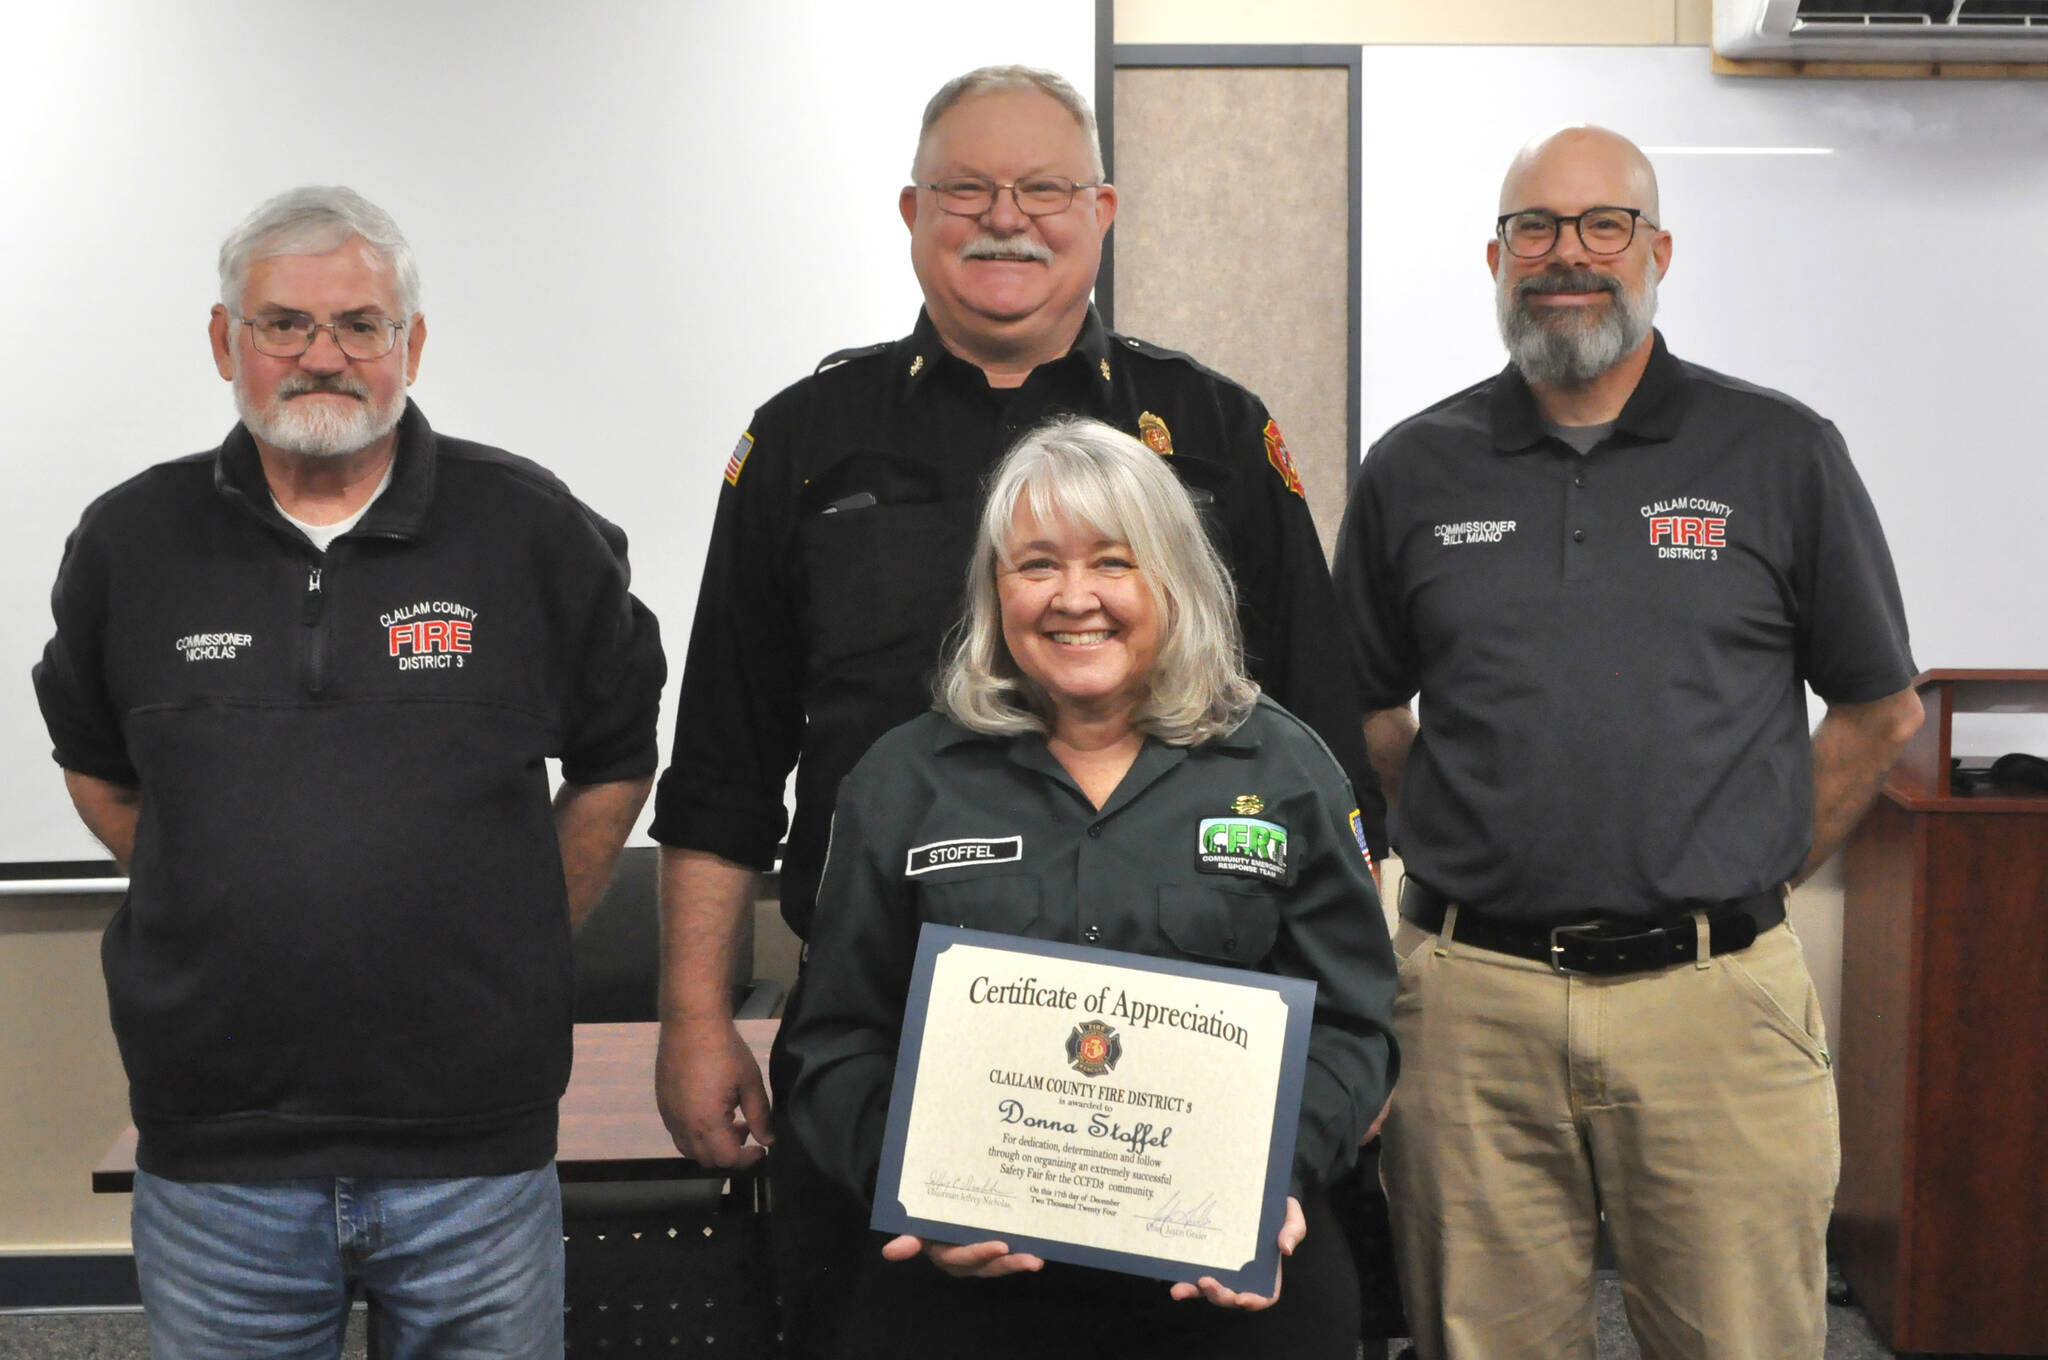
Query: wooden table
{"x": 610, "y": 1129}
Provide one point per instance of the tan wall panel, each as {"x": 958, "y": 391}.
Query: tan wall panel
{"x": 1399, "y": 21}
{"x": 63, "y": 1098}
{"x": 1232, "y": 241}
{"x": 1696, "y": 22}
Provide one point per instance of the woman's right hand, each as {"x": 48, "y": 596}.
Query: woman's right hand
{"x": 963, "y": 1261}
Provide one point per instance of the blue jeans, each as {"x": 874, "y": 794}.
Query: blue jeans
{"x": 460, "y": 1269}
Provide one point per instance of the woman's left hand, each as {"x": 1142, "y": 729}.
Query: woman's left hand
{"x": 1292, "y": 1230}
{"x": 962, "y": 1260}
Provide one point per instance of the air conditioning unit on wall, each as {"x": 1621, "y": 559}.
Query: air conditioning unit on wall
{"x": 1882, "y": 30}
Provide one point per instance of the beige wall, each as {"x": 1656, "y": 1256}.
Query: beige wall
{"x": 1229, "y": 195}
{"x": 62, "y": 1096}
{"x": 1637, "y": 23}
{"x": 1624, "y": 22}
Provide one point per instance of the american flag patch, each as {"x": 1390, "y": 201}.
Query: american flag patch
{"x": 738, "y": 459}
{"x": 1358, "y": 834}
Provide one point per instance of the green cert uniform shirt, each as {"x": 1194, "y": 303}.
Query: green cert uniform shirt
{"x": 1132, "y": 875}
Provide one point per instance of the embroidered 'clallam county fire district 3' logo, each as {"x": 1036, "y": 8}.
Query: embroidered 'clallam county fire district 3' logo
{"x": 1093, "y": 1048}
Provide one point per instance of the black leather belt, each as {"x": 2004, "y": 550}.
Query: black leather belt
{"x": 1602, "y": 948}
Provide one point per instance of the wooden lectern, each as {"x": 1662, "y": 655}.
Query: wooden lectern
{"x": 1941, "y": 1222}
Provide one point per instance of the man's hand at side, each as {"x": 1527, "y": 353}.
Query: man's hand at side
{"x": 709, "y": 1088}
{"x": 706, "y": 1082}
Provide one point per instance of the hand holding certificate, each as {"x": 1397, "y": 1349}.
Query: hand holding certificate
{"x": 1112, "y": 1110}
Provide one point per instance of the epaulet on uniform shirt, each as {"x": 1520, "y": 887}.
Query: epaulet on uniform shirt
{"x": 1150, "y": 350}
{"x": 840, "y": 356}
{"x": 1131, "y": 344}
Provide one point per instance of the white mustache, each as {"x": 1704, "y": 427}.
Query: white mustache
{"x": 299, "y": 384}
{"x": 987, "y": 247}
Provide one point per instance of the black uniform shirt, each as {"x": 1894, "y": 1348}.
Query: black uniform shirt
{"x": 1610, "y": 648}
{"x": 1127, "y": 876}
{"x": 839, "y": 553}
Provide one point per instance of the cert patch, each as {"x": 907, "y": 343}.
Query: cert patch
{"x": 738, "y": 459}
{"x": 1243, "y": 845}
{"x": 1358, "y": 834}
{"x": 958, "y": 854}
{"x": 1093, "y": 1048}
{"x": 1281, "y": 459}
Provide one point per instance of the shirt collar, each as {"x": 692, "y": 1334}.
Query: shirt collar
{"x": 1652, "y": 411}
{"x": 922, "y": 353}
{"x": 399, "y": 513}
{"x": 1240, "y": 738}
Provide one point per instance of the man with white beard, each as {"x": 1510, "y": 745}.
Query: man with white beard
{"x": 1611, "y": 576}
{"x": 837, "y": 562}
{"x": 304, "y": 688}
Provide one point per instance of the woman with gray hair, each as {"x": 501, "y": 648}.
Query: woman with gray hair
{"x": 1092, "y": 712}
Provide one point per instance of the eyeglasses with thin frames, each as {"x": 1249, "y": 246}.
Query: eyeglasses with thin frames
{"x": 287, "y": 335}
{"x": 1036, "y": 196}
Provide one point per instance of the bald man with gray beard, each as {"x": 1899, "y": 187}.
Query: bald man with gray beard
{"x": 1611, "y": 576}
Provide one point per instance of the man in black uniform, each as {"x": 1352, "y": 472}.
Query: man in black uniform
{"x": 838, "y": 555}
{"x": 1612, "y": 575}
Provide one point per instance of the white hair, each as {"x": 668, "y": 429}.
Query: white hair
{"x": 1089, "y": 474}
{"x": 312, "y": 220}
{"x": 997, "y": 80}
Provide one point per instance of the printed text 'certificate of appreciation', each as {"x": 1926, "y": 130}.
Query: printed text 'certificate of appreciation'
{"x": 1112, "y": 1110}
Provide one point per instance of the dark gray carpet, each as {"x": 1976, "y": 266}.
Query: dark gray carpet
{"x": 105, "y": 1336}
{"x": 121, "y": 1336}
{"x": 1849, "y": 1333}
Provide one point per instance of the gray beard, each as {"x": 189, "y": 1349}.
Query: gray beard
{"x": 1569, "y": 350}
{"x": 316, "y": 432}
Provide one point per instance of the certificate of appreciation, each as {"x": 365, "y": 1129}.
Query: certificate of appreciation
{"x": 1112, "y": 1110}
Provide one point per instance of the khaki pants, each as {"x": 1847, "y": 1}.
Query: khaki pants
{"x": 1694, "y": 1106}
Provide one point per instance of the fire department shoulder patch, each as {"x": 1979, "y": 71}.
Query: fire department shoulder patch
{"x": 1281, "y": 459}
{"x": 1093, "y": 1048}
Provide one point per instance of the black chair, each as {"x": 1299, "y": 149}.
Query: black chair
{"x": 661, "y": 1267}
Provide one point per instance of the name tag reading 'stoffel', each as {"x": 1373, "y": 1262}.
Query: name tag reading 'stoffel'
{"x": 957, "y": 854}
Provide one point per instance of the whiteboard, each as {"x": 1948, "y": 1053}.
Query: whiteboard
{"x": 1872, "y": 248}
{"x": 700, "y": 197}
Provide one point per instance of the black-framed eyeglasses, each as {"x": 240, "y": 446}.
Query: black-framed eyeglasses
{"x": 287, "y": 335}
{"x": 1037, "y": 196}
{"x": 1532, "y": 233}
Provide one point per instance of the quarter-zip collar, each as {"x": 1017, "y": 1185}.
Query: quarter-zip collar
{"x": 401, "y": 512}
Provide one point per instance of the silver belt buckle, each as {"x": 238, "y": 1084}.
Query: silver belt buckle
{"x": 1557, "y": 946}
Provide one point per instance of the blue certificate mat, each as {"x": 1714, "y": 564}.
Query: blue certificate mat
{"x": 1107, "y": 1109}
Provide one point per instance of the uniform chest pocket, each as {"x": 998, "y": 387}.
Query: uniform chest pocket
{"x": 883, "y": 577}
{"x": 1005, "y": 904}
{"x": 1227, "y": 923}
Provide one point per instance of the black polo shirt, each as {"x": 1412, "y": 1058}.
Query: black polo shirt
{"x": 839, "y": 553}
{"x": 1612, "y": 649}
